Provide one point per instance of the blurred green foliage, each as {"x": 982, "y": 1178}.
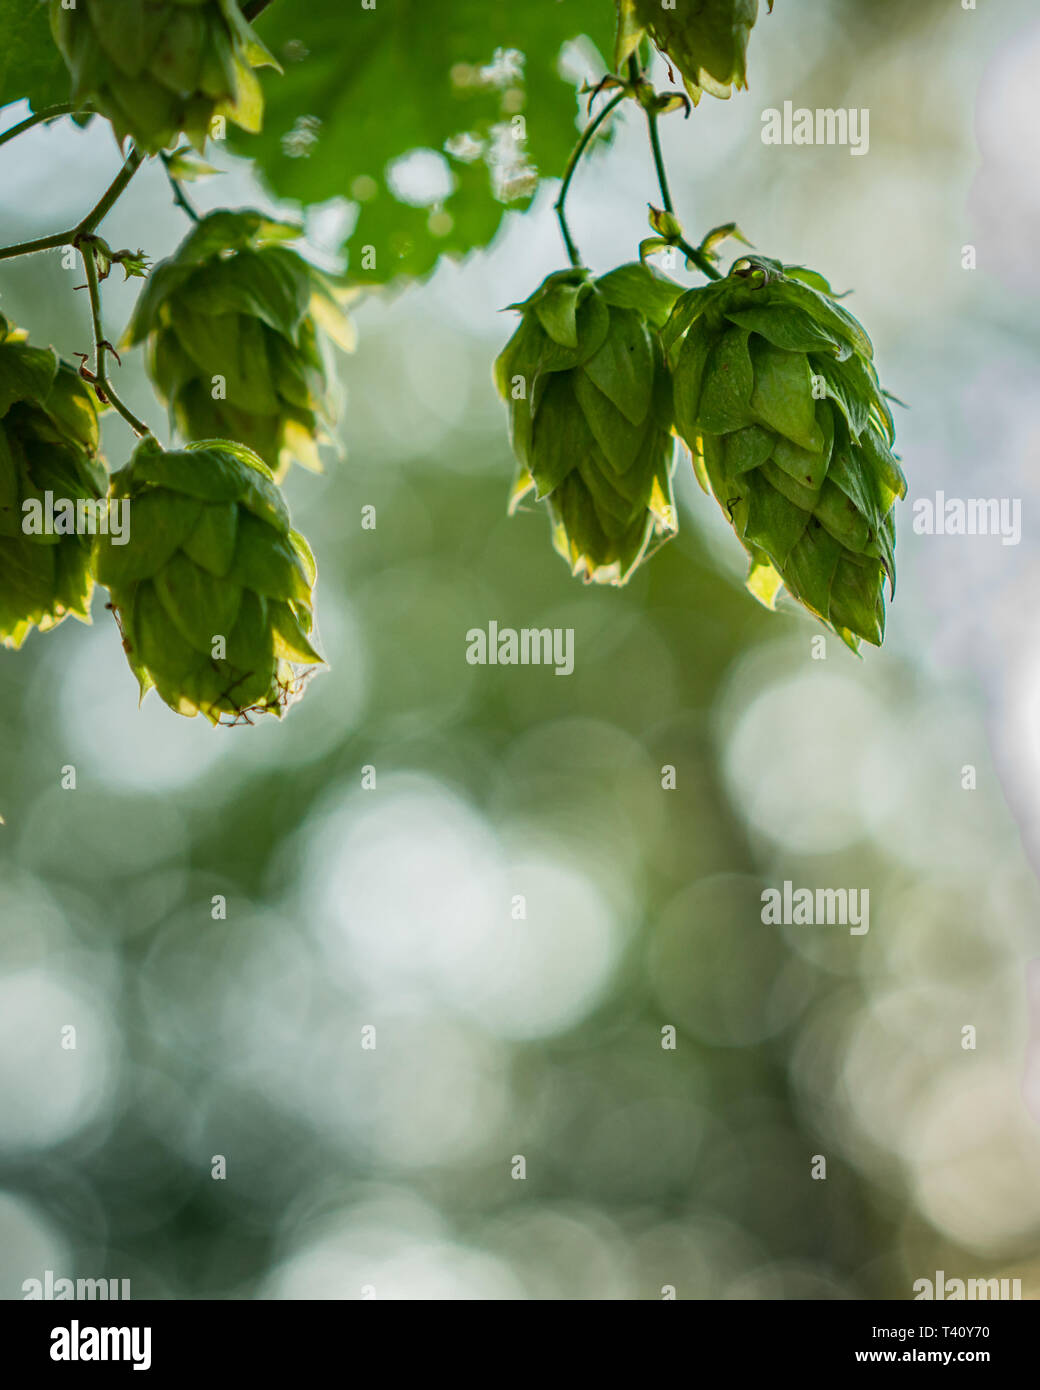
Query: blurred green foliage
{"x": 362, "y": 89}
{"x": 30, "y": 65}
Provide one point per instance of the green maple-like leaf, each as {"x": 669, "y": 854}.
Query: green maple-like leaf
{"x": 363, "y": 88}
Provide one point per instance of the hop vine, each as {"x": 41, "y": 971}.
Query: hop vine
{"x": 758, "y": 381}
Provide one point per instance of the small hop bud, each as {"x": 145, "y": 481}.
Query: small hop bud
{"x": 777, "y": 397}
{"x": 214, "y": 590}
{"x": 235, "y": 305}
{"x": 48, "y": 444}
{"x": 133, "y": 263}
{"x": 185, "y": 166}
{"x": 591, "y": 415}
{"x": 665, "y": 224}
{"x": 157, "y": 68}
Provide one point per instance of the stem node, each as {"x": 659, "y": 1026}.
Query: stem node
{"x": 98, "y": 378}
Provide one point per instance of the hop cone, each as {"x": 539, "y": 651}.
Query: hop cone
{"x": 213, "y": 592}
{"x": 705, "y": 39}
{"x": 591, "y": 413}
{"x": 235, "y": 322}
{"x": 48, "y": 443}
{"x": 777, "y": 397}
{"x": 159, "y": 67}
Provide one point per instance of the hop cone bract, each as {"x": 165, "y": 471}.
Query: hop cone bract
{"x": 156, "y": 68}
{"x": 48, "y": 443}
{"x": 589, "y": 397}
{"x": 777, "y": 397}
{"x": 236, "y": 324}
{"x": 706, "y": 39}
{"x": 213, "y": 592}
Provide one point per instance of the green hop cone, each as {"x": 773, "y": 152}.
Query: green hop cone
{"x": 236, "y": 324}
{"x": 213, "y": 590}
{"x": 706, "y": 39}
{"x": 777, "y": 397}
{"x": 590, "y": 406}
{"x": 48, "y": 444}
{"x": 156, "y": 68}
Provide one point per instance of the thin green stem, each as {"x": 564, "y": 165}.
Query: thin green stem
{"x": 252, "y": 8}
{"x": 179, "y": 195}
{"x": 695, "y": 257}
{"x": 97, "y": 213}
{"x": 572, "y": 164}
{"x": 112, "y": 194}
{"x": 49, "y": 113}
{"x": 699, "y": 259}
{"x": 655, "y": 145}
{"x": 43, "y": 243}
{"x": 94, "y": 288}
{"x": 635, "y": 76}
{"x": 102, "y": 387}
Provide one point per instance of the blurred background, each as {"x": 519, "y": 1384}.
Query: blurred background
{"x": 353, "y": 1170}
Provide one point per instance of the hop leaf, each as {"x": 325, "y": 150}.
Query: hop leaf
{"x": 236, "y": 324}
{"x": 48, "y": 444}
{"x": 157, "y": 68}
{"x": 777, "y": 397}
{"x": 590, "y": 415}
{"x": 214, "y": 590}
{"x": 705, "y": 39}
{"x": 185, "y": 166}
